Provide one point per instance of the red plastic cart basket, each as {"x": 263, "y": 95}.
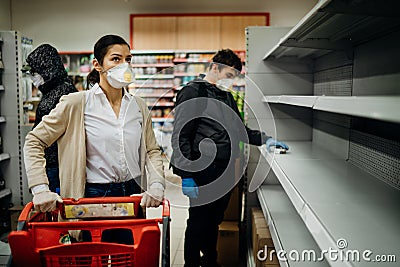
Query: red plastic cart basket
{"x": 38, "y": 240}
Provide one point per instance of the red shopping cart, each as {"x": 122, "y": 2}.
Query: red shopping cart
{"x": 42, "y": 239}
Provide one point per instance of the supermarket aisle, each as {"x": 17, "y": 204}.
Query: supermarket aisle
{"x": 179, "y": 216}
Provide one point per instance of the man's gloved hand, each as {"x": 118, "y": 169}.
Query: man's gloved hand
{"x": 189, "y": 188}
{"x": 46, "y": 201}
{"x": 153, "y": 197}
{"x": 272, "y": 142}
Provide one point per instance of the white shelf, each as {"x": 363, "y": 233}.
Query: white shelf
{"x": 287, "y": 228}
{"x": 336, "y": 25}
{"x": 138, "y": 52}
{"x": 4, "y": 156}
{"x": 162, "y": 119}
{"x": 297, "y": 100}
{"x": 2, "y": 119}
{"x": 5, "y": 192}
{"x": 144, "y": 85}
{"x": 385, "y": 108}
{"x": 161, "y": 104}
{"x": 155, "y": 95}
{"x": 154, "y": 76}
{"x": 271, "y": 99}
{"x": 338, "y": 200}
{"x": 157, "y": 65}
{"x": 1, "y": 87}
{"x": 83, "y": 74}
{"x": 35, "y": 99}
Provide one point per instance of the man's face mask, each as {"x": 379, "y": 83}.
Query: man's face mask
{"x": 120, "y": 76}
{"x": 224, "y": 84}
{"x": 37, "y": 79}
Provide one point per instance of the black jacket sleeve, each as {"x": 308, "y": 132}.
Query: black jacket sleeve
{"x": 184, "y": 131}
{"x": 255, "y": 137}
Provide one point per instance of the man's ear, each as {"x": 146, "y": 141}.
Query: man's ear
{"x": 97, "y": 65}
{"x": 214, "y": 67}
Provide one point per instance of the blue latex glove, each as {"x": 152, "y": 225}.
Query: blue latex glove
{"x": 189, "y": 188}
{"x": 272, "y": 142}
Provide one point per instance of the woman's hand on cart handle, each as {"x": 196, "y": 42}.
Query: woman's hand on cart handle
{"x": 46, "y": 201}
{"x": 153, "y": 197}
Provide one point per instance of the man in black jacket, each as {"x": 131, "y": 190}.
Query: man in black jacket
{"x": 205, "y": 140}
{"x": 46, "y": 69}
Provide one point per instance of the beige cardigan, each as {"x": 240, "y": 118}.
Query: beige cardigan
{"x": 65, "y": 124}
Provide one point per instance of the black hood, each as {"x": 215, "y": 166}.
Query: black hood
{"x": 46, "y": 61}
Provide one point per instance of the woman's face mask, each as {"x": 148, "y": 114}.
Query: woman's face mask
{"x": 37, "y": 80}
{"x": 120, "y": 76}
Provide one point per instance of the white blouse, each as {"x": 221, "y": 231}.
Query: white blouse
{"x": 112, "y": 144}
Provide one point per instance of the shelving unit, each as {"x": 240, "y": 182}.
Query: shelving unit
{"x": 12, "y": 98}
{"x": 159, "y": 75}
{"x": 372, "y": 107}
{"x": 4, "y": 156}
{"x": 78, "y": 65}
{"x": 287, "y": 228}
{"x": 336, "y": 26}
{"x": 327, "y": 87}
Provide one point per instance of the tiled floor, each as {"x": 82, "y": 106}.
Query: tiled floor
{"x": 179, "y": 214}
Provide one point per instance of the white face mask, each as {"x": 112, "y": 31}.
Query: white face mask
{"x": 224, "y": 84}
{"x": 121, "y": 75}
{"x": 37, "y": 80}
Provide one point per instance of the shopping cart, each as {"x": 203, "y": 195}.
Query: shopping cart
{"x": 42, "y": 239}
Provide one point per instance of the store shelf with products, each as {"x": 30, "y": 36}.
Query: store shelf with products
{"x": 160, "y": 74}
{"x": 158, "y": 77}
{"x": 337, "y": 109}
{"x": 78, "y": 65}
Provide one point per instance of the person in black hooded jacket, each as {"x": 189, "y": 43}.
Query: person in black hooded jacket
{"x": 205, "y": 141}
{"x": 46, "y": 69}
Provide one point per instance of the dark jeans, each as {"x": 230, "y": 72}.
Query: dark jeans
{"x": 112, "y": 189}
{"x": 202, "y": 226}
{"x": 121, "y": 236}
{"x": 54, "y": 180}
{"x": 202, "y": 232}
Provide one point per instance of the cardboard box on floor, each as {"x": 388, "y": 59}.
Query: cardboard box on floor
{"x": 264, "y": 244}
{"x": 228, "y": 243}
{"x": 232, "y": 211}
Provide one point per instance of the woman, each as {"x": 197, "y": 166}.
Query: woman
{"x": 104, "y": 135}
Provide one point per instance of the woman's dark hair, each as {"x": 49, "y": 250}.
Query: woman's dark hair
{"x": 227, "y": 57}
{"x": 100, "y": 50}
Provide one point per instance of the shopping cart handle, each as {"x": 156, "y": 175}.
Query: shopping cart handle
{"x": 166, "y": 209}
{"x": 24, "y": 215}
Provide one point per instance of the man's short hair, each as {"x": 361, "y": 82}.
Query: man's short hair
{"x": 229, "y": 58}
